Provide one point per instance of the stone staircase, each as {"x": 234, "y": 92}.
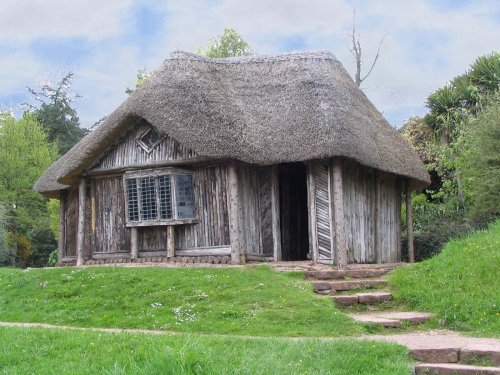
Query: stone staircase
{"x": 364, "y": 289}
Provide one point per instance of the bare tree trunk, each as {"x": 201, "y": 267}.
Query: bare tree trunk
{"x": 356, "y": 52}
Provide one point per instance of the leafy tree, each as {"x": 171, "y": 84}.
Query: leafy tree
{"x": 56, "y": 114}
{"x": 142, "y": 76}
{"x": 229, "y": 44}
{"x": 5, "y": 251}
{"x": 479, "y": 162}
{"x": 25, "y": 153}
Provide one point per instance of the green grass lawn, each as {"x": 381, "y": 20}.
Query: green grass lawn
{"x": 461, "y": 284}
{"x": 43, "y": 351}
{"x": 244, "y": 301}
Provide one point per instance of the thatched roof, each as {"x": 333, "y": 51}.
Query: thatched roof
{"x": 260, "y": 110}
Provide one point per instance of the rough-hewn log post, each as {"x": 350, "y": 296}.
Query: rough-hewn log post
{"x": 62, "y": 226}
{"x": 235, "y": 215}
{"x": 170, "y": 241}
{"x": 275, "y": 206}
{"x": 338, "y": 204}
{"x": 379, "y": 232}
{"x": 82, "y": 205}
{"x": 409, "y": 223}
{"x": 134, "y": 248}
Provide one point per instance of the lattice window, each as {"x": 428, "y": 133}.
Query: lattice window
{"x": 159, "y": 198}
{"x": 149, "y": 139}
{"x": 132, "y": 199}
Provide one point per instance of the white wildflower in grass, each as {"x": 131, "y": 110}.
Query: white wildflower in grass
{"x": 184, "y": 314}
{"x": 295, "y": 285}
{"x": 44, "y": 284}
{"x": 156, "y": 305}
{"x": 199, "y": 294}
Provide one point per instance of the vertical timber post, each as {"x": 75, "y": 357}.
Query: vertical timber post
{"x": 134, "y": 248}
{"x": 338, "y": 204}
{"x": 82, "y": 205}
{"x": 378, "y": 220}
{"x": 61, "y": 241}
{"x": 409, "y": 223}
{"x": 235, "y": 215}
{"x": 275, "y": 207}
{"x": 170, "y": 241}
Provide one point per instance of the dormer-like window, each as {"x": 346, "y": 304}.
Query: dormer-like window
{"x": 149, "y": 139}
{"x": 159, "y": 197}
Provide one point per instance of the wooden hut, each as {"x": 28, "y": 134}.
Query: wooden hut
{"x": 227, "y": 160}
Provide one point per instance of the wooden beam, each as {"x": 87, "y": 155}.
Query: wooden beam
{"x": 82, "y": 205}
{"x": 409, "y": 223}
{"x": 134, "y": 247}
{"x": 338, "y": 204}
{"x": 311, "y": 209}
{"x": 62, "y": 226}
{"x": 275, "y": 208}
{"x": 378, "y": 220}
{"x": 208, "y": 251}
{"x": 235, "y": 215}
{"x": 170, "y": 241}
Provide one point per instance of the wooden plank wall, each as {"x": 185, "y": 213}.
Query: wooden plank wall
{"x": 211, "y": 210}
{"x": 127, "y": 152}
{"x": 249, "y": 190}
{"x": 323, "y": 210}
{"x": 359, "y": 212}
{"x": 110, "y": 234}
{"x": 71, "y": 222}
{"x": 265, "y": 209}
{"x": 368, "y": 226}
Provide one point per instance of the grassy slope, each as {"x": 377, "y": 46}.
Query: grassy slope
{"x": 461, "y": 284}
{"x": 257, "y": 301}
{"x": 41, "y": 351}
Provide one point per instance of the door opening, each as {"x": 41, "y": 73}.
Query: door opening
{"x": 293, "y": 211}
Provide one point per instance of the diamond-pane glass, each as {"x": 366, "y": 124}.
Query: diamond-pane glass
{"x": 132, "y": 199}
{"x": 185, "y": 196}
{"x": 149, "y": 210}
{"x": 165, "y": 186}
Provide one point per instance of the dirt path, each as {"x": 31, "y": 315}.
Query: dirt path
{"x": 436, "y": 339}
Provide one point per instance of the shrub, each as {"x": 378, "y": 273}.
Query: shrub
{"x": 53, "y": 257}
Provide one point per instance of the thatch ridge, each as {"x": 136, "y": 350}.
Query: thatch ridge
{"x": 260, "y": 109}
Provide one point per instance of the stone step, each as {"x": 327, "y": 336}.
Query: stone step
{"x": 465, "y": 355}
{"x": 340, "y": 274}
{"x": 392, "y": 318}
{"x": 341, "y": 285}
{"x": 454, "y": 369}
{"x": 369, "y": 298}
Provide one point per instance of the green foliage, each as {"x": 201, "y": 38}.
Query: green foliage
{"x": 142, "y": 76}
{"x": 53, "y": 209}
{"x": 56, "y": 114}
{"x": 53, "y": 258}
{"x": 229, "y": 44}
{"x": 256, "y": 301}
{"x": 460, "y": 284}
{"x": 25, "y": 154}
{"x": 43, "y": 351}
{"x": 43, "y": 244}
{"x": 5, "y": 250}
{"x": 479, "y": 162}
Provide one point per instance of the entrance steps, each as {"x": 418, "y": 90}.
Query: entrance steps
{"x": 454, "y": 369}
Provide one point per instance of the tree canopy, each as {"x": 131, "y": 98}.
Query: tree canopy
{"x": 56, "y": 114}
{"x": 228, "y": 44}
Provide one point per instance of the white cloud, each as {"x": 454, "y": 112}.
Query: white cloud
{"x": 93, "y": 19}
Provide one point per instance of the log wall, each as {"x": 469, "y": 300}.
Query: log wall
{"x": 70, "y": 197}
{"x": 128, "y": 152}
{"x": 371, "y": 202}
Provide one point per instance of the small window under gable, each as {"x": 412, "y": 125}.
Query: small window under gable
{"x": 159, "y": 197}
{"x": 150, "y": 139}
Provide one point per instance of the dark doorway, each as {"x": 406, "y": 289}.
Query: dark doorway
{"x": 293, "y": 207}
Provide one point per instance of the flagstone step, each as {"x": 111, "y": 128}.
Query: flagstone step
{"x": 342, "y": 285}
{"x": 369, "y": 298}
{"x": 454, "y": 369}
{"x": 392, "y": 319}
{"x": 340, "y": 274}
{"x": 454, "y": 354}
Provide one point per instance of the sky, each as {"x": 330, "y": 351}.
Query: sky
{"x": 104, "y": 43}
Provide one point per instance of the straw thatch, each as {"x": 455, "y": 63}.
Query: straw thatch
{"x": 259, "y": 110}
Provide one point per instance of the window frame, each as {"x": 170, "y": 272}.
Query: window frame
{"x": 155, "y": 173}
